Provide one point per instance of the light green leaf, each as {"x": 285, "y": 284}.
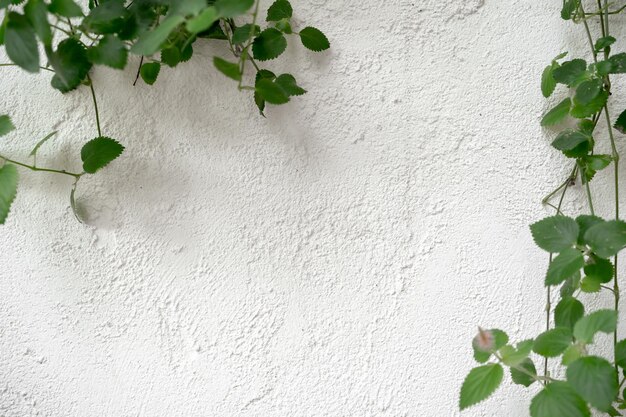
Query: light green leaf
{"x": 21, "y": 43}
{"x": 572, "y": 354}
{"x": 149, "y": 72}
{"x": 314, "y": 39}
{"x": 590, "y": 285}
{"x": 150, "y": 42}
{"x": 558, "y": 399}
{"x": 480, "y": 383}
{"x": 547, "y": 81}
{"x": 6, "y": 126}
{"x": 553, "y": 342}
{"x": 280, "y": 9}
{"x": 557, "y": 113}
{"x": 232, "y": 8}
{"x": 110, "y": 51}
{"x": 514, "y": 356}
{"x": 65, "y": 8}
{"x": 244, "y": 33}
{"x": 595, "y": 380}
{"x": 203, "y": 21}
{"x": 99, "y": 152}
{"x": 37, "y": 14}
{"x": 229, "y": 69}
{"x": 109, "y": 17}
{"x": 604, "y": 321}
{"x": 8, "y": 189}
{"x": 566, "y": 264}
{"x": 620, "y": 354}
{"x": 568, "y": 311}
{"x": 606, "y": 239}
{"x": 522, "y": 378}
{"x": 270, "y": 44}
{"x": 569, "y": 8}
{"x": 555, "y": 234}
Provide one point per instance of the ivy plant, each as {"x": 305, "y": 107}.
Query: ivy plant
{"x": 583, "y": 250}
{"x": 67, "y": 41}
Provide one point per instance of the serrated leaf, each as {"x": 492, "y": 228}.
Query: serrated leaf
{"x": 288, "y": 83}
{"x": 558, "y": 399}
{"x": 232, "y": 8}
{"x": 99, "y": 152}
{"x": 618, "y": 63}
{"x": 65, "y": 8}
{"x": 604, "y": 42}
{"x": 70, "y": 63}
{"x": 581, "y": 111}
{"x": 271, "y": 92}
{"x": 171, "y": 56}
{"x": 258, "y": 99}
{"x": 522, "y": 378}
{"x": 620, "y": 354}
{"x": 20, "y": 42}
{"x": 149, "y": 72}
{"x": 555, "y": 234}
{"x": 569, "y": 8}
{"x": 480, "y": 383}
{"x": 584, "y": 222}
{"x": 37, "y": 13}
{"x": 270, "y": 44}
{"x": 566, "y": 264}
{"x": 570, "y": 72}
{"x": 595, "y": 380}
{"x": 514, "y": 356}
{"x": 603, "y": 321}
{"x": 568, "y": 311}
{"x": 588, "y": 90}
{"x": 280, "y": 9}
{"x": 620, "y": 123}
{"x": 553, "y": 342}
{"x": 110, "y": 51}
{"x": 244, "y": 33}
{"x": 572, "y": 354}
{"x": 590, "y": 285}
{"x": 108, "y": 17}
{"x": 606, "y": 239}
{"x": 557, "y": 113}
{"x": 8, "y": 189}
{"x": 570, "y": 286}
{"x": 548, "y": 84}
{"x": 604, "y": 68}
{"x": 314, "y": 39}
{"x": 572, "y": 143}
{"x": 6, "y": 126}
{"x": 599, "y": 269}
{"x": 229, "y": 69}
{"x": 150, "y": 42}
{"x": 203, "y": 21}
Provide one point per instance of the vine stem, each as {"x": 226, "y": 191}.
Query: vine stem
{"x": 34, "y": 168}
{"x": 95, "y": 105}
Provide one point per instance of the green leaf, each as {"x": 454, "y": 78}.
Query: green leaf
{"x": 553, "y": 342}
{"x": 514, "y": 356}
{"x": 568, "y": 311}
{"x": 620, "y": 354}
{"x": 570, "y": 72}
{"x": 547, "y": 81}
{"x": 280, "y": 9}
{"x": 271, "y": 92}
{"x": 229, "y": 69}
{"x": 149, "y": 72}
{"x": 573, "y": 143}
{"x": 557, "y": 113}
{"x": 566, "y": 264}
{"x": 270, "y": 44}
{"x": 314, "y": 39}
{"x": 606, "y": 239}
{"x": 37, "y": 14}
{"x": 110, "y": 51}
{"x": 584, "y": 222}
{"x": 6, "y": 125}
{"x": 288, "y": 83}
{"x": 171, "y": 56}
{"x": 603, "y": 321}
{"x": 108, "y": 17}
{"x": 244, "y": 33}
{"x": 232, "y": 8}
{"x": 522, "y": 378}
{"x": 590, "y": 285}
{"x": 569, "y": 8}
{"x": 41, "y": 142}
{"x": 604, "y": 43}
{"x": 284, "y": 26}
{"x": 99, "y": 152}
{"x": 594, "y": 163}
{"x": 480, "y": 383}
{"x": 604, "y": 68}
{"x": 620, "y": 123}
{"x": 8, "y": 189}
{"x": 572, "y": 354}
{"x": 595, "y": 380}
{"x": 3, "y": 28}
{"x": 599, "y": 269}
{"x": 618, "y": 63}
{"x": 71, "y": 65}
{"x": 581, "y": 111}
{"x": 188, "y": 7}
{"x": 588, "y": 90}
{"x": 555, "y": 234}
{"x": 258, "y": 99}
{"x": 65, "y": 8}
{"x": 558, "y": 399}
{"x": 203, "y": 21}
{"x": 570, "y": 286}
{"x": 150, "y": 42}
{"x": 21, "y": 43}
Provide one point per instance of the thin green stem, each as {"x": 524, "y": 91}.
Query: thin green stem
{"x": 15, "y": 65}
{"x": 34, "y": 168}
{"x": 95, "y": 105}
{"x": 588, "y": 32}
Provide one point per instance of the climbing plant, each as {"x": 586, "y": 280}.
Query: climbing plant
{"x": 67, "y": 41}
{"x": 583, "y": 251}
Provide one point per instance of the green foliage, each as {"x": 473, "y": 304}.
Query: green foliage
{"x": 555, "y": 234}
{"x": 8, "y": 189}
{"x": 522, "y": 374}
{"x": 71, "y": 65}
{"x": 558, "y": 399}
{"x": 568, "y": 311}
{"x": 480, "y": 383}
{"x": 21, "y": 43}
{"x": 553, "y": 342}
{"x": 606, "y": 239}
{"x": 566, "y": 264}
{"x": 110, "y": 51}
{"x": 604, "y": 321}
{"x": 557, "y": 113}
{"x": 229, "y": 69}
{"x": 270, "y": 44}
{"x": 314, "y": 39}
{"x": 99, "y": 152}
{"x": 6, "y": 126}
{"x": 149, "y": 72}
{"x": 595, "y": 380}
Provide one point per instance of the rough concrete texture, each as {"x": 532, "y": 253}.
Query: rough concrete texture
{"x": 333, "y": 259}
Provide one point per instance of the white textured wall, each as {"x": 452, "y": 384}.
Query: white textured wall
{"x": 333, "y": 259}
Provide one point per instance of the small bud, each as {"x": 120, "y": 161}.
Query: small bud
{"x": 484, "y": 340}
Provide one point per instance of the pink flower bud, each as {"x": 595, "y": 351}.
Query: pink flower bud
{"x": 484, "y": 340}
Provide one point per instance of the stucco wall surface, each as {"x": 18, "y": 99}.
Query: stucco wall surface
{"x": 333, "y": 259}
